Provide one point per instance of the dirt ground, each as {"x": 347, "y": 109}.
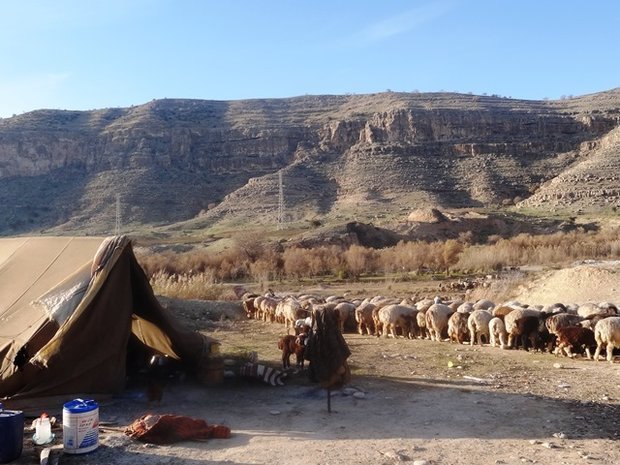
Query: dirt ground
{"x": 408, "y": 401}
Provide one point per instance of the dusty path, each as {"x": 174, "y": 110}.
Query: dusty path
{"x": 499, "y": 407}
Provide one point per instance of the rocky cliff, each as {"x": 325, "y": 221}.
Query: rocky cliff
{"x": 341, "y": 157}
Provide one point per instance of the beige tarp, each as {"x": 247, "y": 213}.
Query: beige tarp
{"x": 64, "y": 331}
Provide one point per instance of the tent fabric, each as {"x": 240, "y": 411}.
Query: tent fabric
{"x": 87, "y": 352}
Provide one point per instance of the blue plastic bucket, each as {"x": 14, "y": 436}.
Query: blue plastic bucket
{"x": 80, "y": 426}
{"x": 11, "y": 434}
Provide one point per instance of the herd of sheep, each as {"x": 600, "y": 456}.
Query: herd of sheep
{"x": 562, "y": 329}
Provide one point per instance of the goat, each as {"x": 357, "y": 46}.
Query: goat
{"x": 292, "y": 345}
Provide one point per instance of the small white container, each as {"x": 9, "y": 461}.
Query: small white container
{"x": 43, "y": 430}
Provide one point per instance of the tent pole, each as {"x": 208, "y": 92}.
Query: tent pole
{"x": 329, "y": 401}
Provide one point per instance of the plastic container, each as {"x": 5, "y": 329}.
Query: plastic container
{"x": 11, "y": 434}
{"x": 43, "y": 430}
{"x": 80, "y": 426}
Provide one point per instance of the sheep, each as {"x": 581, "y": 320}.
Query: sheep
{"x": 344, "y": 311}
{"x": 249, "y": 307}
{"x": 591, "y": 321}
{"x": 575, "y": 338}
{"x": 510, "y": 322}
{"x": 288, "y": 311}
{"x": 478, "y": 325}
{"x": 560, "y": 320}
{"x": 420, "y": 319}
{"x": 590, "y": 309}
{"x": 484, "y": 304}
{"x": 502, "y": 310}
{"x": 457, "y": 327}
{"x": 292, "y": 345}
{"x": 465, "y": 307}
{"x": 268, "y": 308}
{"x": 393, "y": 317}
{"x": 497, "y": 330}
{"x": 363, "y": 317}
{"x": 424, "y": 304}
{"x": 532, "y": 328}
{"x": 607, "y": 334}
{"x": 437, "y": 321}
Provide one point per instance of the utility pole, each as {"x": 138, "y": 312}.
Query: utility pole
{"x": 117, "y": 229}
{"x": 280, "y": 201}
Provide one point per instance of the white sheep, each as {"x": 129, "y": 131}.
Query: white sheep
{"x": 344, "y": 310}
{"x": 437, "y": 321}
{"x": 607, "y": 334}
{"x": 478, "y": 325}
{"x": 392, "y": 317}
{"x": 484, "y": 304}
{"x": 465, "y": 307}
{"x": 363, "y": 317}
{"x": 497, "y": 331}
{"x": 421, "y": 321}
{"x": 588, "y": 310}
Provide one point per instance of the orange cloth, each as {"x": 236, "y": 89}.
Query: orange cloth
{"x": 166, "y": 429}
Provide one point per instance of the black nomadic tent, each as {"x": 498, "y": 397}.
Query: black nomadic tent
{"x": 67, "y": 329}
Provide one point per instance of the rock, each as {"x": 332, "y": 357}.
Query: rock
{"x": 421, "y": 462}
{"x": 558, "y": 365}
{"x": 359, "y": 395}
{"x": 559, "y": 435}
{"x": 274, "y": 412}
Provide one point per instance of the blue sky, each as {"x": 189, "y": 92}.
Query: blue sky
{"x": 86, "y": 54}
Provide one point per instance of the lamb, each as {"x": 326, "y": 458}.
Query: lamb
{"x": 607, "y": 334}
{"x": 478, "y": 325}
{"x": 457, "y": 327}
{"x": 437, "y": 321}
{"x": 497, "y": 330}
{"x": 292, "y": 345}
{"x": 576, "y": 338}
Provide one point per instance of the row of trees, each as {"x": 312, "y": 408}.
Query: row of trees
{"x": 250, "y": 258}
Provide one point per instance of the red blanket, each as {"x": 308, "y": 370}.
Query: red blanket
{"x": 166, "y": 429}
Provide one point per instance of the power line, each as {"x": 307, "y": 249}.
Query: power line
{"x": 117, "y": 228}
{"x": 280, "y": 201}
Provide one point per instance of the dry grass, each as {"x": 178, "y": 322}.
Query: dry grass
{"x": 201, "y": 274}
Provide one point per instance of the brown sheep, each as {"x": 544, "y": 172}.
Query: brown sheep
{"x": 292, "y": 345}
{"x": 575, "y": 338}
{"x": 457, "y": 327}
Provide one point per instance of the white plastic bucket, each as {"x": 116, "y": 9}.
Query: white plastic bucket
{"x": 80, "y": 426}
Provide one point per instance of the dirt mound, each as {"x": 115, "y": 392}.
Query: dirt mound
{"x": 588, "y": 281}
{"x": 427, "y": 215}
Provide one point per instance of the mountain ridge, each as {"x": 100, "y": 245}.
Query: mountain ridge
{"x": 201, "y": 163}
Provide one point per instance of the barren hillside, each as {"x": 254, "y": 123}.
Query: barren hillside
{"x": 342, "y": 158}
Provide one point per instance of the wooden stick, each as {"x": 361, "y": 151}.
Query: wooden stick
{"x": 329, "y": 401}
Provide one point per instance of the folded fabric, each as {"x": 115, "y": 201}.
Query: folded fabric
{"x": 166, "y": 429}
